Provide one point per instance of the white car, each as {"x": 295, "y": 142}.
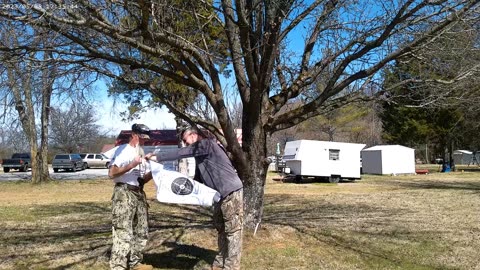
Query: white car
{"x": 95, "y": 160}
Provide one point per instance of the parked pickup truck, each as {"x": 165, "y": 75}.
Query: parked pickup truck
{"x": 19, "y": 161}
{"x": 68, "y": 162}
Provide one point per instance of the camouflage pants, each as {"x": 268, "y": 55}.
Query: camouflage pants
{"x": 129, "y": 227}
{"x": 228, "y": 220}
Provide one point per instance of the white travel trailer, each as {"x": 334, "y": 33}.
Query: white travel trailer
{"x": 332, "y": 160}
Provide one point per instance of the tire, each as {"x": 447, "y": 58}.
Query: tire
{"x": 106, "y": 165}
{"x": 6, "y": 169}
{"x": 85, "y": 165}
{"x": 55, "y": 170}
{"x": 334, "y": 179}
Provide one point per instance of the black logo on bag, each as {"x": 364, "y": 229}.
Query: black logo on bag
{"x": 182, "y": 186}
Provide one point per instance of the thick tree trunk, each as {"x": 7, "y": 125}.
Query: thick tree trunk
{"x": 40, "y": 172}
{"x": 39, "y": 168}
{"x": 254, "y": 198}
{"x": 254, "y": 176}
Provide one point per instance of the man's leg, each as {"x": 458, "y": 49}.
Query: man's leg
{"x": 232, "y": 210}
{"x": 140, "y": 231}
{"x": 122, "y": 233}
{"x": 221, "y": 238}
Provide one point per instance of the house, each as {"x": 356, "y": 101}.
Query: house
{"x": 388, "y": 159}
{"x": 107, "y": 147}
{"x": 332, "y": 160}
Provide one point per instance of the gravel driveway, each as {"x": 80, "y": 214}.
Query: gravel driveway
{"x": 62, "y": 175}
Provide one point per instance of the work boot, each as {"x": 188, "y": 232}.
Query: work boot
{"x": 142, "y": 266}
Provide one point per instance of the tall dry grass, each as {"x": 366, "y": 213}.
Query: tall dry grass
{"x": 380, "y": 222}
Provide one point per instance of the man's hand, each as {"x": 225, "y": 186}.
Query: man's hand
{"x": 137, "y": 160}
{"x": 151, "y": 156}
{"x": 115, "y": 171}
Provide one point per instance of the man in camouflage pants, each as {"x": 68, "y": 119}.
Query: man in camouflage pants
{"x": 228, "y": 220}
{"x": 214, "y": 169}
{"x": 129, "y": 205}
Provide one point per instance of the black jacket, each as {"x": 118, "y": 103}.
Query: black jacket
{"x": 213, "y": 167}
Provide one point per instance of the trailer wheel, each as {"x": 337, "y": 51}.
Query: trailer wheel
{"x": 334, "y": 179}
{"x": 6, "y": 169}
{"x": 298, "y": 178}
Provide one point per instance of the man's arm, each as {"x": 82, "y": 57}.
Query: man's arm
{"x": 199, "y": 148}
{"x": 116, "y": 171}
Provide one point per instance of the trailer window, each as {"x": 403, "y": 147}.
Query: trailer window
{"x": 334, "y": 154}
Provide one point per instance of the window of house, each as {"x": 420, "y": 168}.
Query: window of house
{"x": 334, "y": 154}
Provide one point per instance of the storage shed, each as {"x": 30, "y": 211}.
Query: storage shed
{"x": 388, "y": 159}
{"x": 334, "y": 160}
{"x": 463, "y": 157}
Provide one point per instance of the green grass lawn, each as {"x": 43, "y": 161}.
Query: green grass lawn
{"x": 380, "y": 222}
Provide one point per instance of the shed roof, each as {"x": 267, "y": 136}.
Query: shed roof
{"x": 386, "y": 147}
{"x": 462, "y": 152}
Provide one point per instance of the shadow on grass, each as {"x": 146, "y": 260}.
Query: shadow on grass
{"x": 180, "y": 256}
{"x": 79, "y": 234}
{"x": 441, "y": 185}
{"x": 383, "y": 226}
{"x": 327, "y": 221}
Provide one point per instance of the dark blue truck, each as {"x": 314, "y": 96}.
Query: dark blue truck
{"x": 19, "y": 161}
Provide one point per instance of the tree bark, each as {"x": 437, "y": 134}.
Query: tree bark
{"x": 254, "y": 177}
{"x": 23, "y": 97}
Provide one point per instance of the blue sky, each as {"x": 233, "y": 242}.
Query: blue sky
{"x": 110, "y": 120}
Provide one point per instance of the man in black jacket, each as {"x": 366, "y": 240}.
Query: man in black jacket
{"x": 214, "y": 169}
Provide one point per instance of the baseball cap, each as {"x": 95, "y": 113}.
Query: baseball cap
{"x": 142, "y": 130}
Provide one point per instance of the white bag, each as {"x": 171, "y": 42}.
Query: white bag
{"x": 174, "y": 187}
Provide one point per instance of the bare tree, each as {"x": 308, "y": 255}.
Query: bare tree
{"x": 74, "y": 128}
{"x": 32, "y": 74}
{"x": 277, "y": 49}
{"x": 28, "y": 81}
{"x": 12, "y": 140}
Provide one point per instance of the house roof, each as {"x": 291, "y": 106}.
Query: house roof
{"x": 107, "y": 147}
{"x": 157, "y": 137}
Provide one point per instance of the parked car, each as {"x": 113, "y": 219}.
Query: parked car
{"x": 68, "y": 162}
{"x": 18, "y": 161}
{"x": 92, "y": 160}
